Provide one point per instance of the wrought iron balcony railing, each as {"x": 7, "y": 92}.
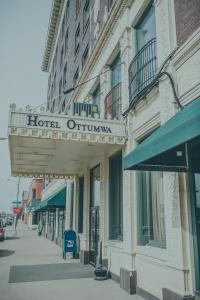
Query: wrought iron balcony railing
{"x": 142, "y": 71}
{"x": 112, "y": 103}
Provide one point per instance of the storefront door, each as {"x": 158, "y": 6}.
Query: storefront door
{"x": 94, "y": 213}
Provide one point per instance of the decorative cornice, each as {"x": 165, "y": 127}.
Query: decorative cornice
{"x": 67, "y": 136}
{"x": 55, "y": 16}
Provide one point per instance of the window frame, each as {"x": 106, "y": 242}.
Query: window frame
{"x": 116, "y": 198}
{"x": 77, "y": 40}
{"x": 85, "y": 55}
{"x": 86, "y": 22}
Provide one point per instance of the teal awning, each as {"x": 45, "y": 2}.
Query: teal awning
{"x": 167, "y": 147}
{"x": 56, "y": 200}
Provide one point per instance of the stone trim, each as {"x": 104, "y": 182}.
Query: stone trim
{"x": 145, "y": 294}
{"x": 171, "y": 295}
{"x": 128, "y": 280}
{"x": 84, "y": 257}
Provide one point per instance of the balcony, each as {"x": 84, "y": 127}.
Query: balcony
{"x": 142, "y": 71}
{"x": 112, "y": 103}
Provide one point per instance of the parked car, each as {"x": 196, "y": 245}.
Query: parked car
{"x": 9, "y": 221}
{"x": 2, "y": 231}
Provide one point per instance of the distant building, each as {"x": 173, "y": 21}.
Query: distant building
{"x": 32, "y": 199}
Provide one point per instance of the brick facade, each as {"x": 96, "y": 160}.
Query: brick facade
{"x": 187, "y": 14}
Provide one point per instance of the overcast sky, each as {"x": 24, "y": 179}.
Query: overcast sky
{"x": 23, "y": 29}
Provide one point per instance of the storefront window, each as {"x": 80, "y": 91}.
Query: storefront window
{"x": 151, "y": 213}
{"x": 115, "y": 197}
{"x": 72, "y": 206}
{"x": 80, "y": 205}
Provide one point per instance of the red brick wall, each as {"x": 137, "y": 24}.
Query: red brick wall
{"x": 35, "y": 184}
{"x": 187, "y": 14}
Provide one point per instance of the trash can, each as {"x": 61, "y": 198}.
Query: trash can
{"x": 69, "y": 243}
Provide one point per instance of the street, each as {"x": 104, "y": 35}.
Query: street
{"x": 31, "y": 267}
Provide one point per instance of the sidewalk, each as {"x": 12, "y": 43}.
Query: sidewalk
{"x": 31, "y": 253}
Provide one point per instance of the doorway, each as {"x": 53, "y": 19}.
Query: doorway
{"x": 94, "y": 214}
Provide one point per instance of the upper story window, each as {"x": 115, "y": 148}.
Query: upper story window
{"x": 76, "y": 77}
{"x": 85, "y": 55}
{"x": 63, "y": 27}
{"x": 143, "y": 68}
{"x": 62, "y": 56}
{"x": 96, "y": 96}
{"x": 110, "y": 3}
{"x": 54, "y": 82}
{"x": 112, "y": 101}
{"x": 65, "y": 75}
{"x": 66, "y": 40}
{"x": 116, "y": 71}
{"x": 145, "y": 29}
{"x": 67, "y": 11}
{"x": 49, "y": 81}
{"x": 78, "y": 5}
{"x": 60, "y": 88}
{"x": 77, "y": 39}
{"x": 86, "y": 15}
{"x": 51, "y": 95}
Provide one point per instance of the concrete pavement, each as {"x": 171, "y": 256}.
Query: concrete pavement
{"x": 29, "y": 249}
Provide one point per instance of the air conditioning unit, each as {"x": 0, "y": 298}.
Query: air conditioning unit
{"x": 84, "y": 109}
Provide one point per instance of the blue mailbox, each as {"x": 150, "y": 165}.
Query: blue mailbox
{"x": 69, "y": 243}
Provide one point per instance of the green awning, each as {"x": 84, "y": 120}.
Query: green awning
{"x": 56, "y": 200}
{"x": 167, "y": 148}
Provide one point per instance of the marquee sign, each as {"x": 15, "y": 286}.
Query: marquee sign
{"x": 47, "y": 145}
{"x": 71, "y": 124}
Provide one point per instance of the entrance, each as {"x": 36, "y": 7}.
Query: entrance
{"x": 94, "y": 214}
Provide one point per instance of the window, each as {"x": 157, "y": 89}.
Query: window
{"x": 67, "y": 11}
{"x": 77, "y": 39}
{"x": 110, "y": 3}
{"x": 63, "y": 106}
{"x": 63, "y": 27}
{"x": 61, "y": 56}
{"x": 54, "y": 82}
{"x": 60, "y": 89}
{"x": 143, "y": 68}
{"x": 76, "y": 77}
{"x": 86, "y": 15}
{"x": 96, "y": 96}
{"x": 85, "y": 55}
{"x": 150, "y": 204}
{"x": 33, "y": 193}
{"x": 116, "y": 71}
{"x": 113, "y": 98}
{"x": 115, "y": 197}
{"x": 146, "y": 28}
{"x": 66, "y": 40}
{"x": 80, "y": 204}
{"x": 78, "y": 5}
{"x": 65, "y": 75}
{"x": 71, "y": 205}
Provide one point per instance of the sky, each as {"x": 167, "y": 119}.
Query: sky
{"x": 23, "y": 30}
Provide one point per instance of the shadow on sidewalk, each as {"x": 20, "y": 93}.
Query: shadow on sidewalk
{"x": 5, "y": 252}
{"x": 12, "y": 237}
